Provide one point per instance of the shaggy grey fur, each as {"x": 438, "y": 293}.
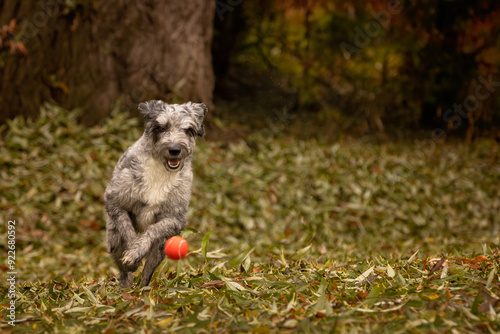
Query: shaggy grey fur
{"x": 149, "y": 192}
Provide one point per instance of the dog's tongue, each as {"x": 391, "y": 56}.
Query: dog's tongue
{"x": 174, "y": 162}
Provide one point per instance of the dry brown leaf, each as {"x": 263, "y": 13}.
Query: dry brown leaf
{"x": 361, "y": 295}
{"x": 128, "y": 297}
{"x": 438, "y": 265}
{"x": 214, "y": 285}
{"x": 480, "y": 258}
{"x": 490, "y": 304}
{"x": 320, "y": 315}
{"x": 91, "y": 224}
{"x": 474, "y": 263}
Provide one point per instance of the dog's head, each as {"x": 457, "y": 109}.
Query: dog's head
{"x": 172, "y": 130}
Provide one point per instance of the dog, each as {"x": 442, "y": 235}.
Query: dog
{"x": 148, "y": 195}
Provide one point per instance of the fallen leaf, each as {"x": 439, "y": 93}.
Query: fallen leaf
{"x": 91, "y": 224}
{"x": 165, "y": 322}
{"x": 474, "y": 263}
{"x": 433, "y": 296}
{"x": 216, "y": 284}
{"x": 128, "y": 297}
{"x": 361, "y": 295}
{"x": 437, "y": 266}
{"x": 489, "y": 306}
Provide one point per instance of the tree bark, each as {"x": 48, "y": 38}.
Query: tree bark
{"x": 97, "y": 52}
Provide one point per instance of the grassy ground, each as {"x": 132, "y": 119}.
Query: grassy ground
{"x": 286, "y": 236}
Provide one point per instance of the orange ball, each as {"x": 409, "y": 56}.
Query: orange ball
{"x": 176, "y": 248}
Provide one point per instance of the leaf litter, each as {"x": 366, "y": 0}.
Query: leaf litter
{"x": 292, "y": 235}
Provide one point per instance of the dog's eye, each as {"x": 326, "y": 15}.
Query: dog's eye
{"x": 191, "y": 132}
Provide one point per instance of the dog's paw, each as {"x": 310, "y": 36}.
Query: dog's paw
{"x": 133, "y": 256}
{"x": 127, "y": 260}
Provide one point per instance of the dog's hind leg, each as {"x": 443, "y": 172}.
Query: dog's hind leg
{"x": 126, "y": 278}
{"x": 126, "y": 271}
{"x": 153, "y": 260}
{"x": 119, "y": 235}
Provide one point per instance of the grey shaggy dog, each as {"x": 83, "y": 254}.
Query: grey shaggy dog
{"x": 149, "y": 192}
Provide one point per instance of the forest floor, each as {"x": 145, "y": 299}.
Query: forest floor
{"x": 286, "y": 235}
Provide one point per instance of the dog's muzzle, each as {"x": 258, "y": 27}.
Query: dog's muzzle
{"x": 174, "y": 161}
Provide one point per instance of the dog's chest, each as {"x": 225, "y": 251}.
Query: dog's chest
{"x": 158, "y": 184}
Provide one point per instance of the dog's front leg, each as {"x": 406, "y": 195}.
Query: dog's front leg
{"x": 164, "y": 229}
{"x": 120, "y": 234}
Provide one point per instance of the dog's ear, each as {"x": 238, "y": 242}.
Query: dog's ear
{"x": 199, "y": 111}
{"x": 201, "y": 131}
{"x": 204, "y": 107}
{"x": 150, "y": 109}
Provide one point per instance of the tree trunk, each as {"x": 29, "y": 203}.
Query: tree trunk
{"x": 90, "y": 55}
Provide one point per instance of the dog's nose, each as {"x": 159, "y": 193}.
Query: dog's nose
{"x": 174, "y": 150}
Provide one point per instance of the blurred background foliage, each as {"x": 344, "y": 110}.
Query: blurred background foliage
{"x": 365, "y": 65}
{"x": 343, "y": 67}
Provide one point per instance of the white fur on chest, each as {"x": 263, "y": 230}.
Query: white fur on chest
{"x": 157, "y": 182}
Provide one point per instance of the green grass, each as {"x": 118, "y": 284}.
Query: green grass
{"x": 286, "y": 235}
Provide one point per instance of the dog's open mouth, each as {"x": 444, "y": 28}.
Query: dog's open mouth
{"x": 173, "y": 163}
